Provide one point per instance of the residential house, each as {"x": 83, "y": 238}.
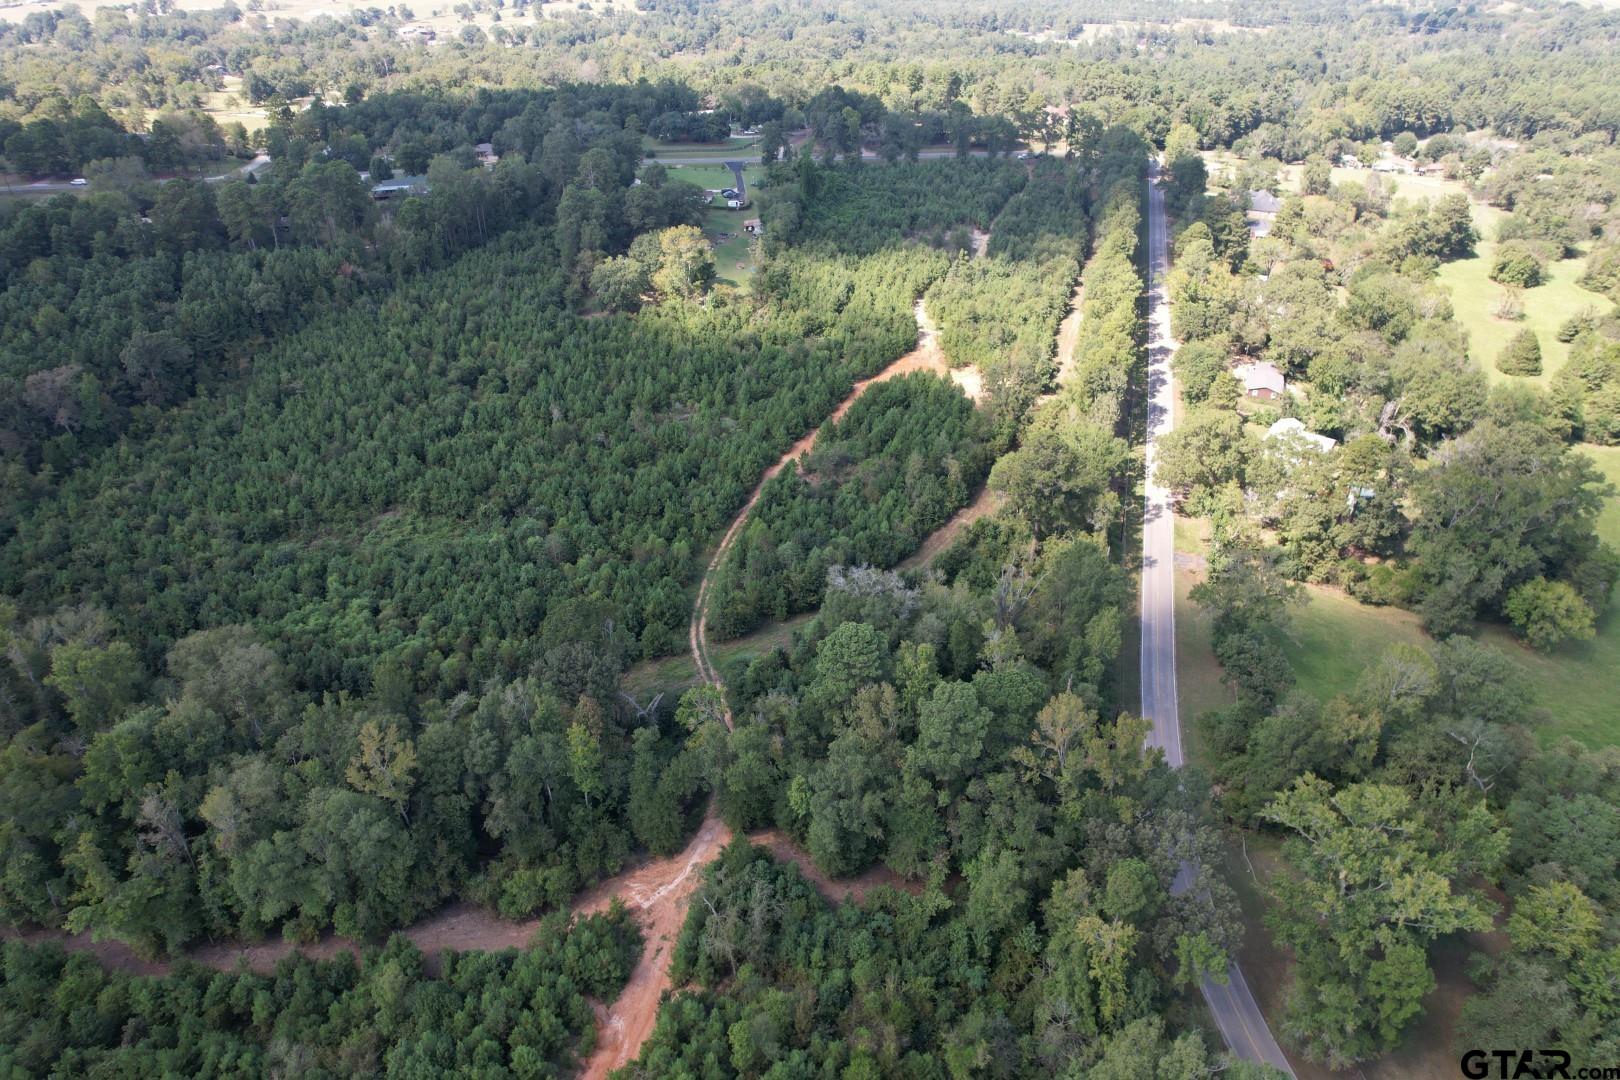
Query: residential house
{"x": 1260, "y": 380}
{"x": 1292, "y": 427}
{"x": 1263, "y": 207}
{"x": 400, "y": 187}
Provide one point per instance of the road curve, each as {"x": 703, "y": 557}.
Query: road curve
{"x": 1233, "y": 1006}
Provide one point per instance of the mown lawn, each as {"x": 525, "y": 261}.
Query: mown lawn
{"x": 1577, "y": 688}
{"x": 1579, "y": 685}
{"x": 737, "y": 144}
{"x": 711, "y": 177}
{"x": 1473, "y": 294}
{"x": 1333, "y": 638}
{"x": 733, "y": 260}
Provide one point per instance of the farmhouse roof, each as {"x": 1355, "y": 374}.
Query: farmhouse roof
{"x": 1260, "y": 376}
{"x": 1264, "y": 202}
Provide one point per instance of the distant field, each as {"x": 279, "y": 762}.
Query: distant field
{"x": 1091, "y": 32}
{"x": 1408, "y": 186}
{"x": 737, "y": 144}
{"x": 712, "y": 177}
{"x": 230, "y": 105}
{"x": 1473, "y": 294}
{"x": 441, "y": 17}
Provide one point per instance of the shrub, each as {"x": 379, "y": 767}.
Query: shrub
{"x": 1510, "y": 304}
{"x": 1577, "y": 324}
{"x": 1515, "y": 264}
{"x": 1522, "y": 355}
{"x": 1548, "y": 613}
{"x": 1386, "y": 584}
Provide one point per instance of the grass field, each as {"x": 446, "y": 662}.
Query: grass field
{"x": 712, "y": 177}
{"x": 740, "y": 145}
{"x": 1332, "y": 638}
{"x": 1545, "y": 307}
{"x": 230, "y": 105}
{"x": 734, "y": 261}
{"x": 1577, "y": 685}
{"x": 1198, "y": 677}
{"x": 673, "y": 675}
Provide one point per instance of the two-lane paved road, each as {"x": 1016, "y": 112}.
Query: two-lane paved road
{"x": 1236, "y": 1013}
{"x": 46, "y": 187}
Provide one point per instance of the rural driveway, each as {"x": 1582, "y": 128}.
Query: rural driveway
{"x": 1236, "y": 1013}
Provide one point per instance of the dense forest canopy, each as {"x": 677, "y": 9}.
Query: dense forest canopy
{"x": 340, "y": 534}
{"x": 1296, "y": 74}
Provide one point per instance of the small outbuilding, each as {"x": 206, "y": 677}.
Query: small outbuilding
{"x": 1261, "y": 380}
{"x": 753, "y": 226}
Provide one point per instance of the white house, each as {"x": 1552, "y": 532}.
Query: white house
{"x": 1291, "y": 426}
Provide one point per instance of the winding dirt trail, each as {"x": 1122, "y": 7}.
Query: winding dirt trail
{"x": 627, "y": 1023}
{"x": 927, "y": 356}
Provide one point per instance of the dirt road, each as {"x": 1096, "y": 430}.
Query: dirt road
{"x": 927, "y": 356}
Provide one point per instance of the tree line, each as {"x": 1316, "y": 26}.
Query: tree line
{"x": 139, "y": 295}
{"x": 960, "y": 725}
{"x": 515, "y": 1012}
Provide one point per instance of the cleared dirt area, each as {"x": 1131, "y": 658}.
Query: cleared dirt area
{"x": 784, "y": 849}
{"x": 656, "y": 895}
